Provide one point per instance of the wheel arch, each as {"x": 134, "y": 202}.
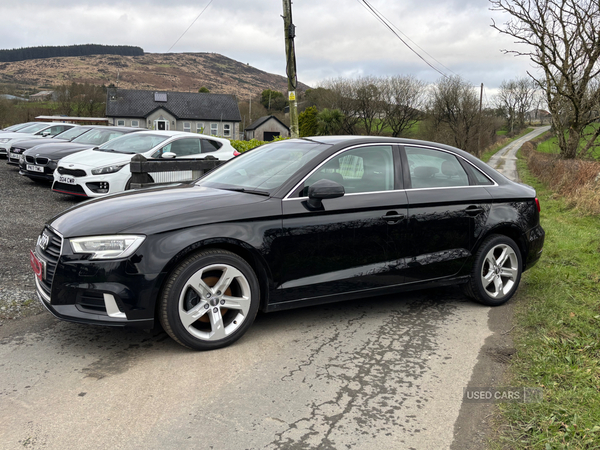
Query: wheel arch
{"x": 511, "y": 231}
{"x": 241, "y": 249}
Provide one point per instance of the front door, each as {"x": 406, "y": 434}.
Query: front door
{"x": 356, "y": 242}
{"x": 161, "y": 125}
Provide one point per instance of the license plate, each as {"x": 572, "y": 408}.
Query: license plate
{"x": 66, "y": 180}
{"x": 39, "y": 267}
{"x": 33, "y": 168}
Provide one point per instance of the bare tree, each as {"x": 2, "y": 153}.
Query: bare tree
{"x": 403, "y": 104}
{"x": 343, "y": 98}
{"x": 515, "y": 99}
{"x": 561, "y": 38}
{"x": 369, "y": 94}
{"x": 453, "y": 114}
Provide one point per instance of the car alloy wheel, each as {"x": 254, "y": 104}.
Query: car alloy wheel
{"x": 497, "y": 271}
{"x": 209, "y": 300}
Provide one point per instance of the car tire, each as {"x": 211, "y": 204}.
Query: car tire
{"x": 210, "y": 300}
{"x": 497, "y": 271}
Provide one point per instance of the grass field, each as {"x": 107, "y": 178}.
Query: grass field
{"x": 551, "y": 145}
{"x": 557, "y": 335}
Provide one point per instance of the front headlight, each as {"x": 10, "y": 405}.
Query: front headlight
{"x": 4, "y": 141}
{"x": 107, "y": 169}
{"x": 107, "y": 247}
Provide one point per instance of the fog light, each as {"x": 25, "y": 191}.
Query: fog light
{"x": 101, "y": 187}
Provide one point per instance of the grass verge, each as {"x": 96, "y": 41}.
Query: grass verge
{"x": 557, "y": 335}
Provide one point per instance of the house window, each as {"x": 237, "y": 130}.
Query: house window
{"x": 135, "y": 123}
{"x": 214, "y": 129}
{"x": 120, "y": 123}
{"x": 187, "y": 126}
{"x": 227, "y": 130}
{"x": 200, "y": 127}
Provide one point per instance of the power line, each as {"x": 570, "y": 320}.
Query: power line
{"x": 417, "y": 45}
{"x": 190, "y": 25}
{"x": 384, "y": 21}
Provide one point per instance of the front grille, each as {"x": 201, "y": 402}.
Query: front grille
{"x": 50, "y": 255}
{"x": 74, "y": 189}
{"x": 42, "y": 161}
{"x": 72, "y": 172}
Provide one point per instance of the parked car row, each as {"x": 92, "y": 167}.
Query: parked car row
{"x": 93, "y": 161}
{"x": 293, "y": 223}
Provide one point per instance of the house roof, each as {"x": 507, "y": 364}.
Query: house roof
{"x": 257, "y": 123}
{"x": 183, "y": 105}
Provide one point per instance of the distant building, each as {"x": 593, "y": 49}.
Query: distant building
{"x": 13, "y": 97}
{"x": 538, "y": 116}
{"x": 266, "y": 128}
{"x": 41, "y": 96}
{"x": 212, "y": 114}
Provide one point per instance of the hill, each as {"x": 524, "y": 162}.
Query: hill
{"x": 155, "y": 71}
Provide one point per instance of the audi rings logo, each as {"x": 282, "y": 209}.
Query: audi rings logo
{"x": 43, "y": 241}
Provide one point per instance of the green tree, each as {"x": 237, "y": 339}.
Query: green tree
{"x": 203, "y": 90}
{"x": 330, "y": 121}
{"x": 307, "y": 122}
{"x": 273, "y": 100}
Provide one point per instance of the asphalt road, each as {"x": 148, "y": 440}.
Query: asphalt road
{"x": 386, "y": 372}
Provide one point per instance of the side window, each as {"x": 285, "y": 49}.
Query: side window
{"x": 226, "y": 130}
{"x": 187, "y": 126}
{"x": 208, "y": 145}
{"x": 182, "y": 148}
{"x": 364, "y": 169}
{"x": 481, "y": 178}
{"x": 200, "y": 127}
{"x": 120, "y": 123}
{"x": 135, "y": 123}
{"x": 433, "y": 168}
{"x": 214, "y": 129}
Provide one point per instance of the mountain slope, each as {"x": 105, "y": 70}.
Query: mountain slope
{"x": 154, "y": 71}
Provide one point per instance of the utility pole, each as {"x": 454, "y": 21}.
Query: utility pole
{"x": 290, "y": 34}
{"x": 479, "y": 151}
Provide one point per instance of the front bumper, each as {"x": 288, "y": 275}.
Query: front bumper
{"x": 108, "y": 292}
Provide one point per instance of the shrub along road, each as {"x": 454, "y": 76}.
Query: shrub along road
{"x": 385, "y": 372}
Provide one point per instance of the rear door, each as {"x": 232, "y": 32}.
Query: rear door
{"x": 447, "y": 209}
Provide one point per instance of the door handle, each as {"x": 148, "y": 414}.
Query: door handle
{"x": 474, "y": 210}
{"x": 393, "y": 217}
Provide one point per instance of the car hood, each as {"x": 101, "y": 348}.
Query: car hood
{"x": 154, "y": 211}
{"x": 28, "y": 143}
{"x": 96, "y": 158}
{"x": 12, "y": 135}
{"x": 58, "y": 150}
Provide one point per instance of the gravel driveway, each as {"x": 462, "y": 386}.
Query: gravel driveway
{"x": 26, "y": 206}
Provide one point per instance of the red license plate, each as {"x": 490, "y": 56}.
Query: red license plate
{"x": 36, "y": 265}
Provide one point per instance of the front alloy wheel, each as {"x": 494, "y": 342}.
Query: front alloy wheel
{"x": 210, "y": 300}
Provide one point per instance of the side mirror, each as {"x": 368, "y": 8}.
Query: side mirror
{"x": 321, "y": 190}
{"x": 168, "y": 155}
{"x": 46, "y": 133}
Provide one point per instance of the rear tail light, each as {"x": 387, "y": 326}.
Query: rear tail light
{"x": 236, "y": 153}
{"x": 537, "y": 202}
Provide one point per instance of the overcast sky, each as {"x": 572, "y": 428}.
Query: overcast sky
{"x": 334, "y": 38}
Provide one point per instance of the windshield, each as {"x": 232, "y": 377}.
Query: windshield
{"x": 98, "y": 136}
{"x": 34, "y": 128}
{"x": 265, "y": 168}
{"x": 71, "y": 133}
{"x": 134, "y": 143}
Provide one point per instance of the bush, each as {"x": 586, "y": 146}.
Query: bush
{"x": 577, "y": 180}
{"x": 244, "y": 146}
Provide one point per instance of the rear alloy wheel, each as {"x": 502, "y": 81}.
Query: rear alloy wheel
{"x": 210, "y": 300}
{"x": 497, "y": 271}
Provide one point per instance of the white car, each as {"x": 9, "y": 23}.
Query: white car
{"x": 33, "y": 131}
{"x": 105, "y": 170}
